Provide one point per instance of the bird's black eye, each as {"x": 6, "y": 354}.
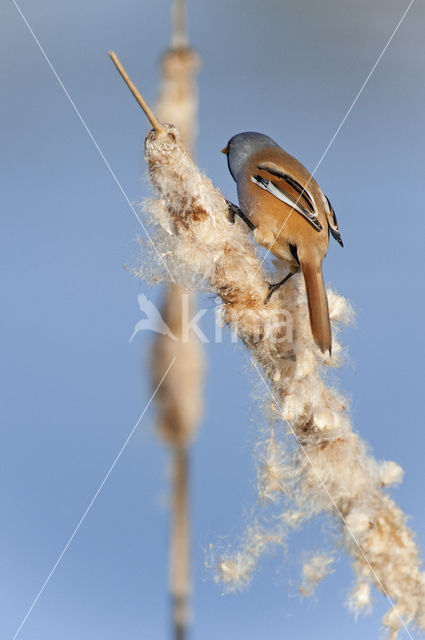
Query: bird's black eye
{"x": 229, "y": 146}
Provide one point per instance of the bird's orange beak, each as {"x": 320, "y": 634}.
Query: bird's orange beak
{"x": 224, "y": 150}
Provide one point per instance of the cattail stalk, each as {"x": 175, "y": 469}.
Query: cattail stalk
{"x": 180, "y": 401}
{"x": 330, "y": 470}
{"x": 180, "y": 547}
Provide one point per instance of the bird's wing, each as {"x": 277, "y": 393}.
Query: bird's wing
{"x": 288, "y": 190}
{"x": 333, "y": 222}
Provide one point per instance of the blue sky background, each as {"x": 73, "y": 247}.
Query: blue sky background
{"x": 73, "y": 386}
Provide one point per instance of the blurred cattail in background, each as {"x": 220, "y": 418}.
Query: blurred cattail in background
{"x": 177, "y": 101}
{"x": 179, "y": 398}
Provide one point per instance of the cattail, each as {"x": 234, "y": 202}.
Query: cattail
{"x": 178, "y": 97}
{"x": 179, "y": 402}
{"x": 329, "y": 471}
{"x": 179, "y": 398}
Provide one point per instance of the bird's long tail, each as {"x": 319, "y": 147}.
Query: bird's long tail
{"x": 318, "y": 306}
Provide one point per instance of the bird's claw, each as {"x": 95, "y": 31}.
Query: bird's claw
{"x": 271, "y": 290}
{"x": 232, "y": 210}
{"x": 274, "y": 287}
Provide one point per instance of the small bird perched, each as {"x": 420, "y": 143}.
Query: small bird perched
{"x": 290, "y": 215}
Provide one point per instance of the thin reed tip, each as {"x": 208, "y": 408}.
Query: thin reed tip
{"x": 136, "y": 93}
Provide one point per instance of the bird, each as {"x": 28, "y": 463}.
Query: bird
{"x": 289, "y": 214}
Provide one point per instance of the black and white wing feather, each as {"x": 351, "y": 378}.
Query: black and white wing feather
{"x": 284, "y": 188}
{"x": 333, "y": 222}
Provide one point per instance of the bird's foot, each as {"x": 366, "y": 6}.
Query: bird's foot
{"x": 234, "y": 211}
{"x": 274, "y": 287}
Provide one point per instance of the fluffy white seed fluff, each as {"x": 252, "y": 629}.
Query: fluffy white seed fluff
{"x": 315, "y": 569}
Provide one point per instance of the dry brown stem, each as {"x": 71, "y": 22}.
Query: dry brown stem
{"x": 136, "y": 93}
{"x": 180, "y": 548}
{"x": 179, "y": 38}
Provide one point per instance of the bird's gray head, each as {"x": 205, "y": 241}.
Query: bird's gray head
{"x": 241, "y": 147}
